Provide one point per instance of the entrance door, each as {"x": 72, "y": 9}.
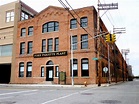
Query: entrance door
{"x": 49, "y": 74}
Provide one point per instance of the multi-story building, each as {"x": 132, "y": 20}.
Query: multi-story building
{"x": 57, "y": 46}
{"x": 10, "y": 14}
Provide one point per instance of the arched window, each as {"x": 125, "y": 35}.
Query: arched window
{"x": 75, "y": 67}
{"x": 85, "y": 67}
{"x": 21, "y": 69}
{"x": 29, "y": 69}
{"x": 84, "y": 22}
{"x": 50, "y": 27}
{"x": 49, "y": 63}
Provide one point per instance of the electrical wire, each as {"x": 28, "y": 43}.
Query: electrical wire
{"x": 62, "y": 3}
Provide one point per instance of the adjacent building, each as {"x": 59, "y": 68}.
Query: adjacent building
{"x": 10, "y": 14}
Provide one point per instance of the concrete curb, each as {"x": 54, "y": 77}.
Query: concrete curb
{"x": 57, "y": 85}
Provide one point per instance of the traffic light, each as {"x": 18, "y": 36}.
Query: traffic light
{"x": 113, "y": 37}
{"x": 110, "y": 38}
{"x": 107, "y": 38}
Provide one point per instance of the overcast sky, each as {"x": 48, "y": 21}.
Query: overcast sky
{"x": 126, "y": 15}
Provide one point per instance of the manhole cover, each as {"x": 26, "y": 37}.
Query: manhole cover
{"x": 7, "y": 102}
{"x": 86, "y": 93}
{"x": 110, "y": 102}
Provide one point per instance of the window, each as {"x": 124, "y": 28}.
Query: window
{"x": 84, "y": 66}
{"x": 73, "y": 23}
{"x": 74, "y": 42}
{"x": 84, "y": 43}
{"x": 56, "y": 44}
{"x": 50, "y": 45}
{"x": 22, "y": 48}
{"x": 9, "y": 16}
{"x": 75, "y": 67}
{"x": 30, "y": 31}
{"x": 57, "y": 71}
{"x": 84, "y": 22}
{"x": 44, "y": 45}
{"x": 50, "y": 27}
{"x": 42, "y": 71}
{"x": 21, "y": 69}
{"x": 24, "y": 16}
{"x": 23, "y": 32}
{"x": 5, "y": 50}
{"x": 30, "y": 45}
{"x": 29, "y": 69}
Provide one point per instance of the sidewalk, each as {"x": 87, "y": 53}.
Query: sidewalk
{"x": 57, "y": 85}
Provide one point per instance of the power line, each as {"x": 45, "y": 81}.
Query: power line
{"x": 62, "y": 3}
{"x": 107, "y": 15}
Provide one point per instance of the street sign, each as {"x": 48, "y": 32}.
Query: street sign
{"x": 108, "y": 6}
{"x": 95, "y": 58}
{"x": 105, "y": 69}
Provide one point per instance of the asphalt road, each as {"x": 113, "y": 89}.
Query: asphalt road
{"x": 123, "y": 93}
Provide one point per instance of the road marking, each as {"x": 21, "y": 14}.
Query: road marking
{"x": 17, "y": 92}
{"x": 59, "y": 98}
{"x": 64, "y": 96}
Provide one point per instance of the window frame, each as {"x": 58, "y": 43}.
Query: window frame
{"x": 84, "y": 22}
{"x": 42, "y": 71}
{"x": 50, "y": 45}
{"x": 10, "y": 17}
{"x": 43, "y": 45}
{"x": 56, "y": 71}
{"x": 21, "y": 73}
{"x": 75, "y": 70}
{"x": 56, "y": 44}
{"x": 30, "y": 47}
{"x": 30, "y": 31}
{"x": 84, "y": 63}
{"x": 5, "y": 50}
{"x": 74, "y": 42}
{"x": 73, "y": 23}
{"x": 22, "y": 48}
{"x": 24, "y": 16}
{"x": 84, "y": 41}
{"x": 29, "y": 67}
{"x": 50, "y": 26}
{"x": 23, "y": 32}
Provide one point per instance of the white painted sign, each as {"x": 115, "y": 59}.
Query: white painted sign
{"x": 105, "y": 69}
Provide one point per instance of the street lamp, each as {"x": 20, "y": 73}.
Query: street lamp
{"x": 125, "y": 52}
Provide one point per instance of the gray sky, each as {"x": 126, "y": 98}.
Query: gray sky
{"x": 126, "y": 15}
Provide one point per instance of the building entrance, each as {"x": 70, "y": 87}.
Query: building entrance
{"x": 49, "y": 74}
{"x": 5, "y": 73}
{"x": 49, "y": 71}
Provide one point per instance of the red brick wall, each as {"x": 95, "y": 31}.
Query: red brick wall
{"x": 63, "y": 17}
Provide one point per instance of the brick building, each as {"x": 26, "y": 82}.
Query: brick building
{"x": 43, "y": 48}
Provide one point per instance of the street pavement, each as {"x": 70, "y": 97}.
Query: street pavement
{"x": 120, "y": 93}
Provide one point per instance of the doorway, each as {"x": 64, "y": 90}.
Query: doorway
{"x": 49, "y": 71}
{"x": 49, "y": 74}
{"x": 5, "y": 73}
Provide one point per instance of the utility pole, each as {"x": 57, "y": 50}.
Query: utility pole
{"x": 72, "y": 61}
{"x": 125, "y": 52}
{"x": 102, "y": 7}
{"x": 109, "y": 64}
{"x": 98, "y": 49}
